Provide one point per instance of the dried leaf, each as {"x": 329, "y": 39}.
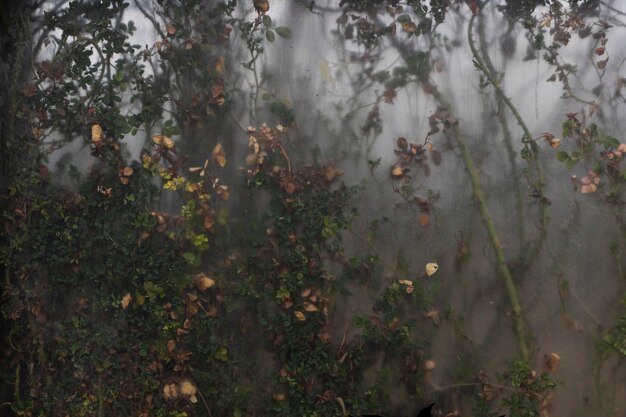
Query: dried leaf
{"x": 126, "y": 299}
{"x": 127, "y": 171}
{"x": 397, "y": 171}
{"x": 261, "y": 6}
{"x": 409, "y": 27}
{"x": 171, "y": 345}
{"x": 551, "y": 361}
{"x": 168, "y": 142}
{"x": 331, "y": 173}
{"x": 402, "y": 143}
{"x": 170, "y": 391}
{"x": 96, "y": 133}
{"x": 408, "y": 285}
{"x": 219, "y": 155}
{"x": 187, "y": 388}
{"x": 223, "y": 192}
{"x": 588, "y": 188}
{"x": 310, "y": 308}
{"x": 434, "y": 316}
{"x": 170, "y": 29}
{"x": 217, "y": 89}
{"x": 389, "y": 95}
{"x": 431, "y": 268}
{"x": 203, "y": 282}
{"x": 219, "y": 66}
{"x": 299, "y": 315}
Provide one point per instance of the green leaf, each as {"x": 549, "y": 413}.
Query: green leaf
{"x": 283, "y": 31}
{"x": 568, "y": 125}
{"x": 270, "y": 36}
{"x": 405, "y": 18}
{"x": 266, "y": 96}
{"x": 570, "y": 163}
{"x": 611, "y": 142}
{"x": 172, "y": 130}
{"x": 562, "y": 156}
{"x": 267, "y": 21}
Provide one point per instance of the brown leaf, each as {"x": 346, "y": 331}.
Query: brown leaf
{"x": 219, "y": 155}
{"x": 331, "y": 173}
{"x": 208, "y": 222}
{"x": 29, "y": 90}
{"x": 389, "y": 95}
{"x": 599, "y": 50}
{"x": 434, "y": 316}
{"x": 424, "y": 219}
{"x": 473, "y": 6}
{"x": 223, "y": 192}
{"x": 402, "y": 143}
{"x": 551, "y": 361}
{"x": 126, "y": 299}
{"x": 602, "y": 64}
{"x": 217, "y": 89}
{"x": 261, "y": 6}
{"x": 203, "y": 282}
{"x": 299, "y": 315}
{"x": 171, "y": 345}
{"x": 170, "y": 29}
{"x": 409, "y": 27}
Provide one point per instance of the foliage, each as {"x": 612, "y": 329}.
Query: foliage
{"x": 114, "y": 306}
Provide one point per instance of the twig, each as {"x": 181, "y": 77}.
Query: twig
{"x": 208, "y": 410}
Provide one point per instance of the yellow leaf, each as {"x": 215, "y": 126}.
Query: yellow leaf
{"x": 310, "y": 308}
{"x": 431, "y": 268}
{"x": 218, "y": 155}
{"x": 219, "y": 67}
{"x": 96, "y": 133}
{"x": 299, "y": 315}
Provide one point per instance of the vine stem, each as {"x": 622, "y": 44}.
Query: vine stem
{"x": 479, "y": 195}
{"x": 528, "y": 140}
{"x": 508, "y": 140}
